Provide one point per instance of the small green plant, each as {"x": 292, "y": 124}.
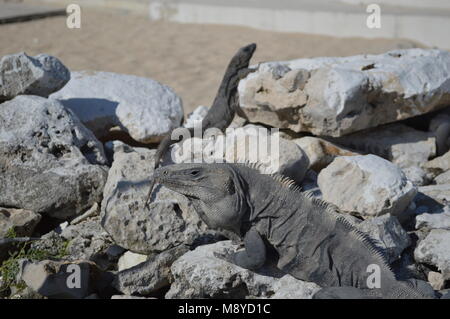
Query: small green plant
{"x": 10, "y": 267}
{"x": 11, "y": 233}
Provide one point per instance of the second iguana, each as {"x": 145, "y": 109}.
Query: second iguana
{"x": 225, "y": 104}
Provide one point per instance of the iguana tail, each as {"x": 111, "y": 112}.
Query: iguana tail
{"x": 162, "y": 149}
{"x": 409, "y": 289}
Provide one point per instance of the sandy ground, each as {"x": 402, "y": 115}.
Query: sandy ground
{"x": 189, "y": 58}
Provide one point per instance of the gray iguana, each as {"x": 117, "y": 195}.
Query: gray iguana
{"x": 313, "y": 240}
{"x": 225, "y": 104}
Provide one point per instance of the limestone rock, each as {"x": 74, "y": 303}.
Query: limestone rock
{"x": 252, "y": 144}
{"x": 396, "y": 142}
{"x": 49, "y": 162}
{"x": 436, "y": 280}
{"x": 18, "y": 222}
{"x": 388, "y": 232}
{"x": 22, "y": 74}
{"x": 417, "y": 175}
{"x": 199, "y": 274}
{"x": 439, "y": 164}
{"x": 435, "y": 220}
{"x": 130, "y": 259}
{"x": 443, "y": 178}
{"x": 87, "y": 240}
{"x": 366, "y": 184}
{"x": 170, "y": 220}
{"x": 21, "y": 221}
{"x": 440, "y": 192}
{"x": 435, "y": 250}
{"x": 321, "y": 152}
{"x": 196, "y": 117}
{"x": 139, "y": 107}
{"x": 51, "y": 278}
{"x": 337, "y": 96}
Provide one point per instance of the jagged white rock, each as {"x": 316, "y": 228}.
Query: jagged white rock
{"x": 336, "y": 96}
{"x": 50, "y": 162}
{"x": 22, "y": 74}
{"x": 435, "y": 250}
{"x": 435, "y": 220}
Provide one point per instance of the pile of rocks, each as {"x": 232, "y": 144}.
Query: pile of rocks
{"x": 370, "y": 134}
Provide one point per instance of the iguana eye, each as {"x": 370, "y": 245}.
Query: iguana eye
{"x": 195, "y": 172}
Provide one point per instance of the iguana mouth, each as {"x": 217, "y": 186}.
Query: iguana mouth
{"x": 174, "y": 183}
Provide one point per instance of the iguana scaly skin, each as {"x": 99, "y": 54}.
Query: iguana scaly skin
{"x": 314, "y": 241}
{"x": 225, "y": 105}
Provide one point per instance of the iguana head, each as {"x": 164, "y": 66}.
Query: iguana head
{"x": 215, "y": 189}
{"x": 242, "y": 58}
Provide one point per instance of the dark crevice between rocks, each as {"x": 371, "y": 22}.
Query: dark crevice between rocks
{"x": 46, "y": 225}
{"x": 206, "y": 239}
{"x": 59, "y": 150}
{"x": 422, "y": 122}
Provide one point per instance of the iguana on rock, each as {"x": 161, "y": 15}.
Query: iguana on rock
{"x": 313, "y": 240}
{"x": 225, "y": 105}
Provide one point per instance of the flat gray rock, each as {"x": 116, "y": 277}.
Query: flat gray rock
{"x": 49, "y": 161}
{"x": 337, "y": 96}
{"x": 139, "y": 107}
{"x": 199, "y": 274}
{"x": 22, "y": 74}
{"x": 49, "y": 278}
{"x": 367, "y": 184}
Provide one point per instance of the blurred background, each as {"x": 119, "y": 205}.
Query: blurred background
{"x": 187, "y": 44}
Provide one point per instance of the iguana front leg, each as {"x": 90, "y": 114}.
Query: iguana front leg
{"x": 252, "y": 257}
{"x": 242, "y": 74}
